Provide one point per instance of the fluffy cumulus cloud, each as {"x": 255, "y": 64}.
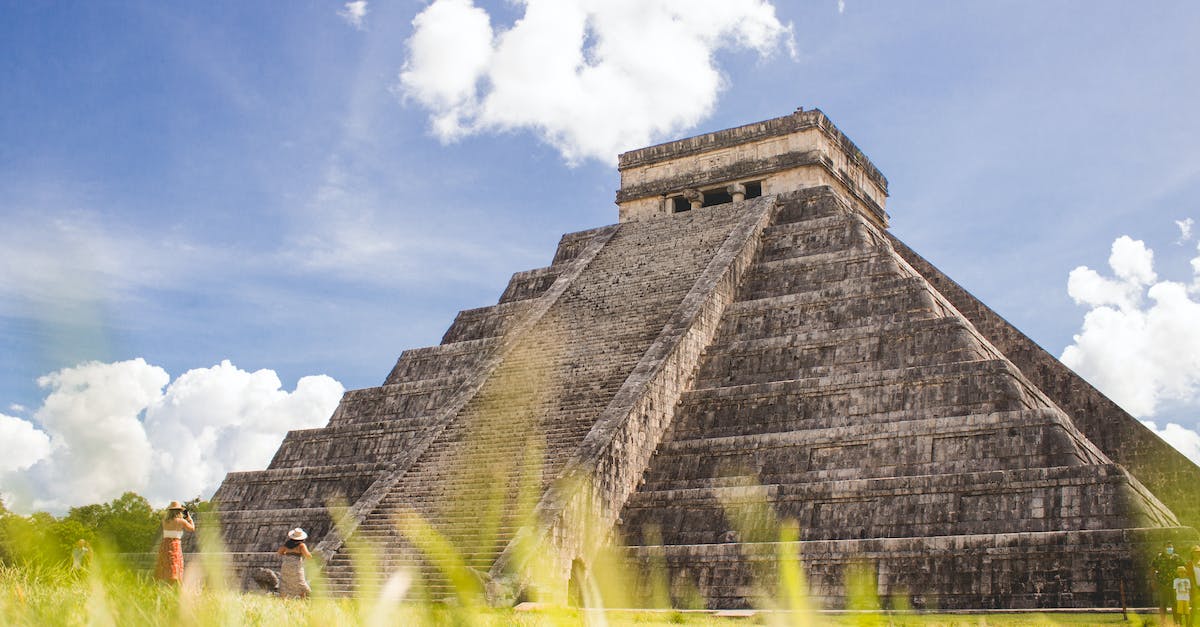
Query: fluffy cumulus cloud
{"x": 591, "y": 77}
{"x": 21, "y": 445}
{"x": 1140, "y": 340}
{"x": 105, "y": 428}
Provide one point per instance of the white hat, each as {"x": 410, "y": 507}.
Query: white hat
{"x": 297, "y": 534}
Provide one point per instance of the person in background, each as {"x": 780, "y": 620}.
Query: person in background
{"x": 292, "y": 582}
{"x": 1194, "y": 574}
{"x": 81, "y": 555}
{"x": 1183, "y": 597}
{"x": 169, "y": 567}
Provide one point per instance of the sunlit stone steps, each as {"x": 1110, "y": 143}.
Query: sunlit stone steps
{"x": 846, "y": 350}
{"x": 960, "y": 443}
{"x": 550, "y": 389}
{"x": 444, "y": 360}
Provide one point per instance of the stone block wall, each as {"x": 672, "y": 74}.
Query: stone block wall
{"x": 1102, "y": 568}
{"x": 1173, "y": 478}
{"x": 685, "y": 382}
{"x": 789, "y": 153}
{"x": 844, "y": 393}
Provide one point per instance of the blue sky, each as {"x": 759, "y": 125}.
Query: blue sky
{"x": 187, "y": 184}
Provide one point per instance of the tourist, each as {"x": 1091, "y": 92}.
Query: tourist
{"x": 1183, "y": 596}
{"x": 81, "y": 555}
{"x": 1164, "y": 568}
{"x": 169, "y": 567}
{"x": 292, "y": 582}
{"x": 1194, "y": 575}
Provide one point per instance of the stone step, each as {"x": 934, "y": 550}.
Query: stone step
{"x": 348, "y": 443}
{"x": 939, "y": 390}
{"x": 783, "y": 314}
{"x": 457, "y": 359}
{"x": 530, "y": 284}
{"x": 822, "y": 293}
{"x": 809, "y": 204}
{"x": 807, "y": 238}
{"x": 1025, "y": 570}
{"x": 842, "y": 351}
{"x": 406, "y": 400}
{"x": 1010, "y": 501}
{"x": 995, "y": 441}
{"x": 263, "y": 530}
{"x": 822, "y": 268}
{"x": 260, "y": 489}
{"x": 485, "y": 322}
{"x": 571, "y": 244}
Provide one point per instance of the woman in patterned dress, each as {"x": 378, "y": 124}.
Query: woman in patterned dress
{"x": 169, "y": 567}
{"x": 292, "y": 582}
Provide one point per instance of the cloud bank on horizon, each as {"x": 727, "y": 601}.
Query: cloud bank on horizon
{"x": 590, "y": 77}
{"x": 107, "y": 428}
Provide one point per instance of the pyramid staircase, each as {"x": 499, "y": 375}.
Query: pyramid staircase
{"x": 684, "y": 383}
{"x": 855, "y": 400}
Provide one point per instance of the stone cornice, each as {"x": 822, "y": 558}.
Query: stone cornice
{"x": 774, "y": 127}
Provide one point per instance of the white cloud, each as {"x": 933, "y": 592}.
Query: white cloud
{"x": 112, "y": 427}
{"x": 1139, "y": 351}
{"x": 17, "y": 407}
{"x": 1132, "y": 261}
{"x": 1185, "y": 229}
{"x": 591, "y": 77}
{"x": 21, "y": 444}
{"x": 1196, "y": 272}
{"x": 841, "y": 6}
{"x": 354, "y": 13}
{"x": 1133, "y": 264}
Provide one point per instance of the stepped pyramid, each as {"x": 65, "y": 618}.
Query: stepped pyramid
{"x": 748, "y": 334}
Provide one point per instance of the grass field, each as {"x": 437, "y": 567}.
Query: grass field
{"x": 40, "y": 596}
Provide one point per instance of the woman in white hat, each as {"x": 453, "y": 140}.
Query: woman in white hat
{"x": 169, "y": 567}
{"x": 291, "y": 574}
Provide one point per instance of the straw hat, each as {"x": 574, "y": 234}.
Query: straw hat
{"x": 297, "y": 534}
{"x": 176, "y": 505}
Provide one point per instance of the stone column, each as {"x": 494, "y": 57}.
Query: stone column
{"x": 737, "y": 191}
{"x": 694, "y": 196}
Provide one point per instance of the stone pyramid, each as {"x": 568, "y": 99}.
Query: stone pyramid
{"x": 749, "y": 334}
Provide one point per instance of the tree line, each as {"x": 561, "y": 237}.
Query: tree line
{"x": 126, "y": 524}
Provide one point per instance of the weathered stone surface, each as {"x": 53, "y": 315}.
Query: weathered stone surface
{"x": 1172, "y": 477}
{"x": 761, "y": 351}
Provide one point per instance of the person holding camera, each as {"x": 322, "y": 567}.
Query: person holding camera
{"x": 169, "y": 567}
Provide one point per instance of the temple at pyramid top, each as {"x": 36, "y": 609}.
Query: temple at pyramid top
{"x": 765, "y": 158}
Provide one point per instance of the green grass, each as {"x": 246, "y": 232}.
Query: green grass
{"x": 112, "y": 596}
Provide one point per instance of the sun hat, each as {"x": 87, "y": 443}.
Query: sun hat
{"x": 297, "y": 534}
{"x": 175, "y": 505}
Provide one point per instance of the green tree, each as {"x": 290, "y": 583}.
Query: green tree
{"x": 127, "y": 524}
